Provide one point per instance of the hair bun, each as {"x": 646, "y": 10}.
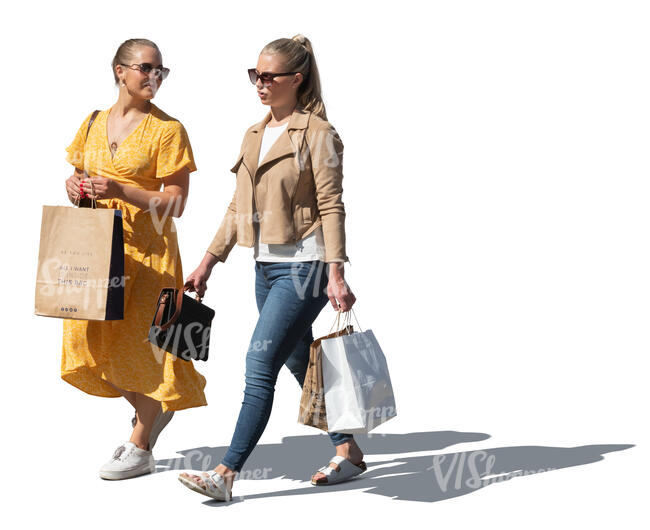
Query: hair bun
{"x": 300, "y": 39}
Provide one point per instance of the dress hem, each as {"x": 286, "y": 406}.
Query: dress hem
{"x": 74, "y": 378}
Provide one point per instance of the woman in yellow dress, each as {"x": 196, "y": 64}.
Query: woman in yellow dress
{"x": 129, "y": 150}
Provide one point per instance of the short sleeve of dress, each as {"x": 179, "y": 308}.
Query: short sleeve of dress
{"x": 76, "y": 149}
{"x": 175, "y": 151}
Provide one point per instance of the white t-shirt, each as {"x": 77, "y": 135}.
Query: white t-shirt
{"x": 311, "y": 247}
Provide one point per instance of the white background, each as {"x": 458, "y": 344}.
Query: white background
{"x": 496, "y": 188}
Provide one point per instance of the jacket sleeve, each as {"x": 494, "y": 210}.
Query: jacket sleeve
{"x": 326, "y": 150}
{"x": 226, "y": 235}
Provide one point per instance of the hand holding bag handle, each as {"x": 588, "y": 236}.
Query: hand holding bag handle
{"x": 185, "y": 332}
{"x": 93, "y": 203}
{"x": 356, "y": 382}
{"x": 177, "y": 309}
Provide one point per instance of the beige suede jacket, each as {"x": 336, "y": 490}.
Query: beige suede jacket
{"x": 296, "y": 188}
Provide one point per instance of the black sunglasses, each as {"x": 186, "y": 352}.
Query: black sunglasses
{"x": 265, "y": 77}
{"x": 147, "y": 68}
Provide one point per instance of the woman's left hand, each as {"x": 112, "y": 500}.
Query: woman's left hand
{"x": 105, "y": 188}
{"x": 338, "y": 290}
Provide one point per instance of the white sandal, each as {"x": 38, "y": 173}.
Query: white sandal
{"x": 215, "y": 486}
{"x": 346, "y": 471}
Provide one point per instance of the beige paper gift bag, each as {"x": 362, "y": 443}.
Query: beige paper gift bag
{"x": 81, "y": 264}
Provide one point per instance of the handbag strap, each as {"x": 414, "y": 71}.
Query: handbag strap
{"x": 93, "y": 200}
{"x": 92, "y": 119}
{"x": 161, "y": 309}
{"x": 177, "y": 309}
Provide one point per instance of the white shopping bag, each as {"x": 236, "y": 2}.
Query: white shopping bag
{"x": 358, "y": 392}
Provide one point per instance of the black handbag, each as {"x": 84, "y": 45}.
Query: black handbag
{"x": 181, "y": 324}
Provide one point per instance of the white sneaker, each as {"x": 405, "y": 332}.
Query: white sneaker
{"x": 128, "y": 461}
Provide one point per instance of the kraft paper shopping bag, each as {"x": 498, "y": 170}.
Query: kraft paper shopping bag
{"x": 312, "y": 403}
{"x": 81, "y": 264}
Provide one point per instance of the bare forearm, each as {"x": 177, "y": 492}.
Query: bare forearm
{"x": 336, "y": 270}
{"x": 161, "y": 202}
{"x": 209, "y": 261}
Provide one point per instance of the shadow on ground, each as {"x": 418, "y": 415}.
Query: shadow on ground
{"x": 425, "y": 478}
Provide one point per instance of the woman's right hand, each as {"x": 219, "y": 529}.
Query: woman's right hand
{"x": 73, "y": 186}
{"x": 199, "y": 280}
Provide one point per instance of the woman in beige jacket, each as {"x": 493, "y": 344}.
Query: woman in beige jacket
{"x": 288, "y": 206}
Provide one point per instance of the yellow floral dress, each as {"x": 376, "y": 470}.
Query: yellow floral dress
{"x": 118, "y": 350}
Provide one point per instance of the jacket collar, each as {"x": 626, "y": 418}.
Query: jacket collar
{"x": 288, "y": 142}
{"x": 299, "y": 120}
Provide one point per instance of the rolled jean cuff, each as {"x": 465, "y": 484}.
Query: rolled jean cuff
{"x": 339, "y": 438}
{"x": 230, "y": 466}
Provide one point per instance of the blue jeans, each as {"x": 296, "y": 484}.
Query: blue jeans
{"x": 290, "y": 295}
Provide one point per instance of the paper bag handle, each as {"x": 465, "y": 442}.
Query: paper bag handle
{"x": 92, "y": 186}
{"x": 346, "y": 322}
{"x": 93, "y": 201}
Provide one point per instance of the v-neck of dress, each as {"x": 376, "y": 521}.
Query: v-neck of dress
{"x": 127, "y": 136}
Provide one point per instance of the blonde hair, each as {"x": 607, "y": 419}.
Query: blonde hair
{"x": 298, "y": 56}
{"x": 126, "y": 50}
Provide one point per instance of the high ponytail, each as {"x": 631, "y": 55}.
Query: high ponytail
{"x": 299, "y": 56}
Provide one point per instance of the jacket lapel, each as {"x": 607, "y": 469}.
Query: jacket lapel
{"x": 288, "y": 142}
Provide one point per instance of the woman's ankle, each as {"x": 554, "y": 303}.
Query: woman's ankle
{"x": 140, "y": 443}
{"x": 349, "y": 448}
{"x": 227, "y": 473}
